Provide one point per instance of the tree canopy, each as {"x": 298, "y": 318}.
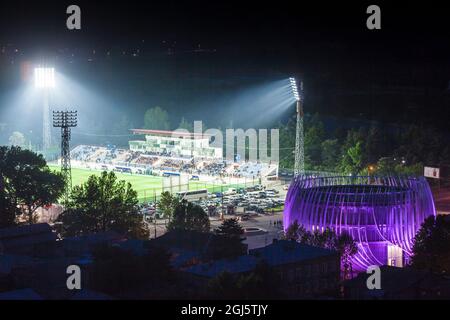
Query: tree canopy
{"x": 184, "y": 124}
{"x": 432, "y": 245}
{"x": 189, "y": 217}
{"x": 156, "y": 119}
{"x": 343, "y": 243}
{"x": 230, "y": 228}
{"x": 228, "y": 243}
{"x": 17, "y": 139}
{"x": 104, "y": 203}
{"x": 352, "y": 150}
{"x": 26, "y": 184}
{"x": 167, "y": 204}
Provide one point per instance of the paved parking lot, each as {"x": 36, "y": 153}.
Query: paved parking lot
{"x": 269, "y": 222}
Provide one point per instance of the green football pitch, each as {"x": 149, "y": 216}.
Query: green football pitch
{"x": 148, "y": 188}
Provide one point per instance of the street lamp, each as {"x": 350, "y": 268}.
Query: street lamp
{"x": 44, "y": 79}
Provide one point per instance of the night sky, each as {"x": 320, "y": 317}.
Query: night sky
{"x": 182, "y": 56}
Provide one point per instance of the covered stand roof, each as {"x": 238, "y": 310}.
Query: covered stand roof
{"x": 166, "y": 133}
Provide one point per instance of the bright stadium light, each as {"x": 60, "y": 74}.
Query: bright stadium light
{"x": 294, "y": 89}
{"x": 44, "y": 77}
{"x": 299, "y": 162}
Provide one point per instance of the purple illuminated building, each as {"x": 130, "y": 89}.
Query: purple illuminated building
{"x": 382, "y": 214}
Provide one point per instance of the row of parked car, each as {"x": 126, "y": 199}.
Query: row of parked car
{"x": 250, "y": 200}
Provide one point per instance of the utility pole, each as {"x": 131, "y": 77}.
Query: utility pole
{"x": 65, "y": 120}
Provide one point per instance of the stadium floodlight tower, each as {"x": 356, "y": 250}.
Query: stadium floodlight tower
{"x": 65, "y": 120}
{"x": 44, "y": 79}
{"x": 299, "y": 164}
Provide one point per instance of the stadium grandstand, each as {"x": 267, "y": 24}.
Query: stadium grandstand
{"x": 169, "y": 151}
{"x": 160, "y": 163}
{"x": 110, "y": 158}
{"x": 175, "y": 143}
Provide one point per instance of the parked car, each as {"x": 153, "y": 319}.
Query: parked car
{"x": 242, "y": 218}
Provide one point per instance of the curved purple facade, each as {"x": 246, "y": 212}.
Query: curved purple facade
{"x": 382, "y": 214}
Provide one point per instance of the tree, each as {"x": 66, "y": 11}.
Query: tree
{"x": 390, "y": 165}
{"x": 386, "y": 166}
{"x": 189, "y": 217}
{"x": 101, "y": 204}
{"x": 298, "y": 233}
{"x": 287, "y": 144}
{"x": 376, "y": 144}
{"x": 291, "y": 232}
{"x": 343, "y": 243}
{"x": 17, "y": 139}
{"x": 40, "y": 188}
{"x": 167, "y": 204}
{"x": 156, "y": 119}
{"x": 314, "y": 135}
{"x": 230, "y": 228}
{"x": 8, "y": 211}
{"x": 228, "y": 240}
{"x": 326, "y": 239}
{"x": 346, "y": 247}
{"x": 432, "y": 245}
{"x": 26, "y": 182}
{"x": 119, "y": 130}
{"x": 418, "y": 144}
{"x": 352, "y": 159}
{"x": 330, "y": 154}
{"x": 184, "y": 124}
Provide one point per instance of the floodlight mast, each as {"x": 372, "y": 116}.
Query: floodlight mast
{"x": 65, "y": 120}
{"x": 44, "y": 79}
{"x": 299, "y": 161}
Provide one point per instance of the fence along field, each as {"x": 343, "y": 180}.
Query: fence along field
{"x": 149, "y": 188}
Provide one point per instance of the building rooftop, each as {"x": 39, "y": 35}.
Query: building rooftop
{"x": 82, "y": 244}
{"x": 24, "y": 230}
{"x": 24, "y": 237}
{"x": 10, "y": 261}
{"x": 21, "y": 294}
{"x": 86, "y": 294}
{"x": 285, "y": 251}
{"x": 166, "y": 133}
{"x": 394, "y": 278}
{"x": 279, "y": 253}
{"x": 241, "y": 264}
{"x": 400, "y": 283}
{"x": 135, "y": 246}
{"x": 188, "y": 240}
